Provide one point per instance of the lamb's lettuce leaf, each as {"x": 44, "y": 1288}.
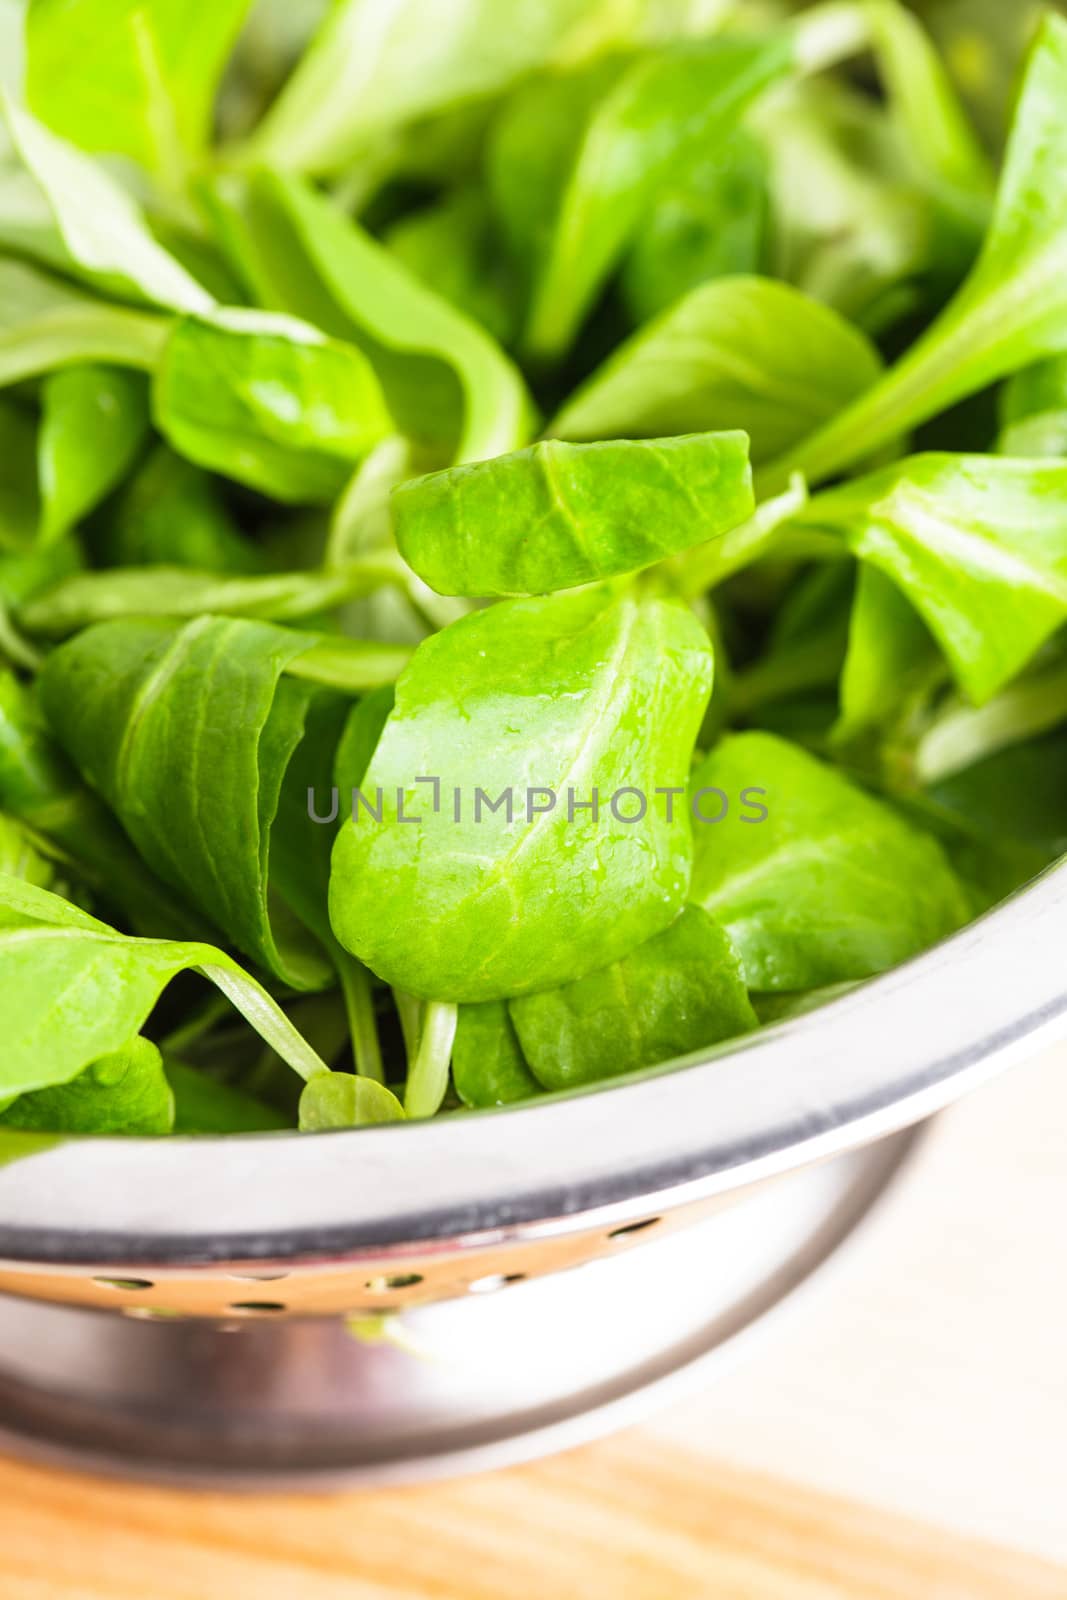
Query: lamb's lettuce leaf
{"x": 831, "y": 885}
{"x": 371, "y": 69}
{"x": 735, "y": 353}
{"x": 558, "y": 515}
{"x": 171, "y": 513}
{"x": 19, "y": 497}
{"x": 136, "y": 80}
{"x": 891, "y": 655}
{"x": 46, "y": 324}
{"x": 19, "y": 858}
{"x": 145, "y": 710}
{"x": 453, "y": 248}
{"x": 269, "y": 401}
{"x": 577, "y": 159}
{"x": 710, "y": 220}
{"x": 174, "y": 591}
{"x": 929, "y": 115}
{"x": 448, "y": 383}
{"x": 488, "y": 1066}
{"x": 1033, "y": 411}
{"x": 104, "y": 236}
{"x": 680, "y": 991}
{"x": 94, "y": 421}
{"x": 621, "y": 688}
{"x": 40, "y": 787}
{"x": 978, "y": 544}
{"x": 73, "y": 990}
{"x": 204, "y": 1104}
{"x": 124, "y": 1092}
{"x": 1012, "y": 309}
{"x": 342, "y": 1100}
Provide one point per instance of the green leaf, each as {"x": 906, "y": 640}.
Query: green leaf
{"x": 162, "y": 591}
{"x": 852, "y": 227}
{"x": 961, "y": 734}
{"x": 268, "y": 401}
{"x": 803, "y": 652}
{"x": 73, "y": 990}
{"x": 557, "y": 515}
{"x": 19, "y": 497}
{"x": 1035, "y": 390}
{"x": 19, "y": 859}
{"x": 170, "y": 513}
{"x": 1033, "y": 410}
{"x": 709, "y": 221}
{"x": 46, "y": 324}
{"x": 104, "y": 236}
{"x": 369, "y": 71}
{"x": 766, "y": 533}
{"x": 300, "y": 254}
{"x": 131, "y": 77}
{"x": 453, "y": 249}
{"x": 1003, "y": 818}
{"x": 620, "y": 690}
{"x": 681, "y": 991}
{"x": 924, "y": 104}
{"x": 978, "y": 544}
{"x": 1015, "y": 795}
{"x": 341, "y": 1100}
{"x": 124, "y": 1092}
{"x": 890, "y": 653}
{"x": 94, "y": 421}
{"x": 203, "y": 1104}
{"x": 359, "y": 740}
{"x": 1012, "y": 309}
{"x": 354, "y": 665}
{"x": 829, "y": 886}
{"x": 1042, "y": 437}
{"x": 737, "y": 353}
{"x": 40, "y": 787}
{"x": 576, "y": 160}
{"x": 146, "y": 710}
{"x": 488, "y": 1066}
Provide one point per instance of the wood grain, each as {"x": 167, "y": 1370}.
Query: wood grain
{"x": 634, "y": 1518}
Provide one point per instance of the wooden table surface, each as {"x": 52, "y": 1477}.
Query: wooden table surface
{"x": 632, "y": 1518}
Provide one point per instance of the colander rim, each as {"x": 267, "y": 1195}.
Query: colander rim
{"x": 866, "y": 1064}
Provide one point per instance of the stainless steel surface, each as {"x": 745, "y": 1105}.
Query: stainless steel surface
{"x": 490, "y": 1378}
{"x": 872, "y": 1062}
{"x": 271, "y": 1232}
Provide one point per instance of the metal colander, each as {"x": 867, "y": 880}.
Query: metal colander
{"x": 216, "y": 1305}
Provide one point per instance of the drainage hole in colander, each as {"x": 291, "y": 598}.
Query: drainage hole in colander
{"x": 396, "y": 1280}
{"x": 495, "y": 1280}
{"x": 125, "y": 1283}
{"x": 257, "y": 1307}
{"x": 634, "y": 1227}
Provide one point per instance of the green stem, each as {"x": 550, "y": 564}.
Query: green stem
{"x": 977, "y": 339}
{"x": 966, "y": 734}
{"x": 359, "y": 1006}
{"x": 17, "y": 649}
{"x": 700, "y": 569}
{"x": 808, "y": 666}
{"x": 213, "y": 1009}
{"x": 829, "y": 34}
{"x": 428, "y": 1077}
{"x": 409, "y": 1010}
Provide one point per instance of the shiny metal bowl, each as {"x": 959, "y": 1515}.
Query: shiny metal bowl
{"x": 181, "y": 1305}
